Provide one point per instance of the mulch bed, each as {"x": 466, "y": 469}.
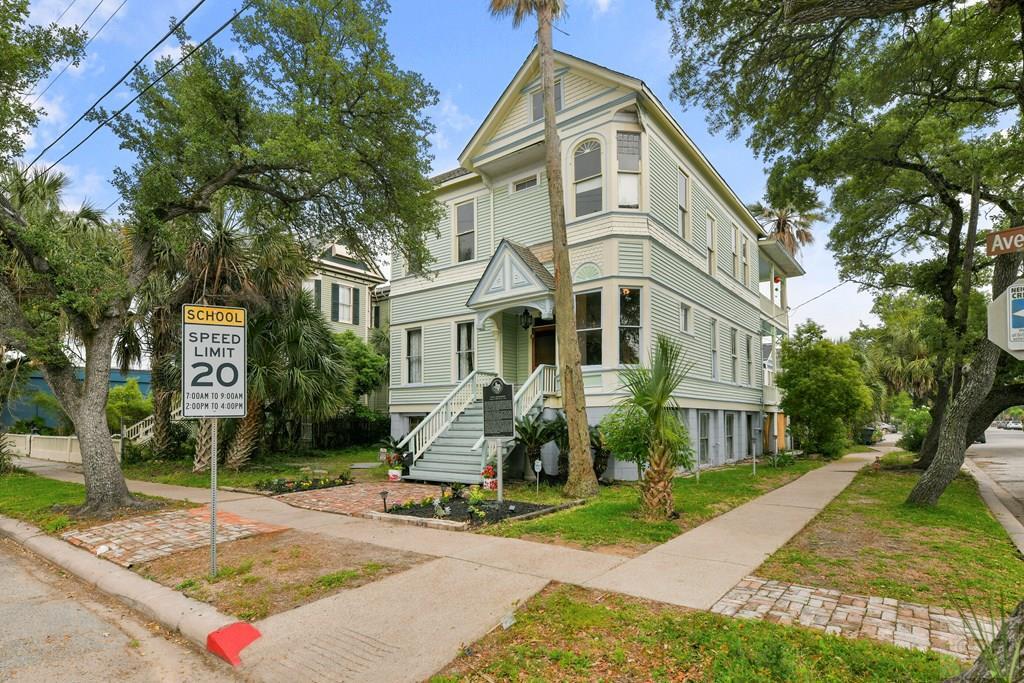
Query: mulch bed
{"x": 510, "y": 509}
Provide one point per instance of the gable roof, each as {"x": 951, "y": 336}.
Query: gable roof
{"x": 526, "y": 74}
{"x": 531, "y": 260}
{"x": 513, "y": 274}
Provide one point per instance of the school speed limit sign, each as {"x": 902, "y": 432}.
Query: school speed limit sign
{"x": 213, "y": 361}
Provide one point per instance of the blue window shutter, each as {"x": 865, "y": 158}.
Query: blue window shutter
{"x": 334, "y": 301}
{"x": 355, "y": 305}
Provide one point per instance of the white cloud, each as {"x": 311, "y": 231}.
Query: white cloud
{"x": 453, "y": 128}
{"x": 600, "y": 6}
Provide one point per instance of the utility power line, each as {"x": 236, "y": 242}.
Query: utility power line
{"x": 121, "y": 80}
{"x": 61, "y": 16}
{"x": 150, "y": 85}
{"x": 86, "y": 21}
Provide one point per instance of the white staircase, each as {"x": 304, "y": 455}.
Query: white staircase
{"x": 142, "y": 431}
{"x": 448, "y": 445}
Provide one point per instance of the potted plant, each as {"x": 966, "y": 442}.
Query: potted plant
{"x": 395, "y": 463}
{"x": 489, "y": 474}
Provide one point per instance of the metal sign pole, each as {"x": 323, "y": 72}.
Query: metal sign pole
{"x": 213, "y": 497}
{"x": 495, "y": 449}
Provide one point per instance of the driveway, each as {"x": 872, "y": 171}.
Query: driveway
{"x": 1002, "y": 459}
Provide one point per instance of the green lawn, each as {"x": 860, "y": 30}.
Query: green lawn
{"x": 179, "y": 472}
{"x": 868, "y": 541}
{"x": 612, "y": 520}
{"x": 31, "y": 499}
{"x": 856, "y": 448}
{"x": 568, "y": 633}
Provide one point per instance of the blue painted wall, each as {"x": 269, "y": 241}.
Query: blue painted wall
{"x": 22, "y": 408}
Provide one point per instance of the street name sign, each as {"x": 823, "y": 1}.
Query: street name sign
{"x": 1006, "y": 320}
{"x": 213, "y": 361}
{"x": 1005, "y": 241}
{"x": 499, "y": 418}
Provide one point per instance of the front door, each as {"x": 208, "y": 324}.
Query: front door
{"x": 543, "y": 345}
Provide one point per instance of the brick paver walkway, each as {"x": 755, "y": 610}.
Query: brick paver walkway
{"x": 854, "y": 616}
{"x": 145, "y": 538}
{"x": 356, "y": 499}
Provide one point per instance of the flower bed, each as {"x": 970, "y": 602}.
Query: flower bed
{"x": 276, "y": 486}
{"x": 484, "y": 512}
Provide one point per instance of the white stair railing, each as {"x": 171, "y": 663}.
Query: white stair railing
{"x": 440, "y": 418}
{"x": 543, "y": 381}
{"x": 142, "y": 431}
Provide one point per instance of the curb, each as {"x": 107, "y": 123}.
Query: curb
{"x": 196, "y": 621}
{"x": 996, "y": 497}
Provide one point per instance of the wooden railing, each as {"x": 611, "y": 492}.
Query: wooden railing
{"x": 434, "y": 425}
{"x": 543, "y": 381}
{"x": 142, "y": 431}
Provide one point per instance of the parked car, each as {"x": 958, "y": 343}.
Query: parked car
{"x": 1015, "y": 424}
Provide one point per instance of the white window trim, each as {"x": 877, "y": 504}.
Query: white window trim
{"x": 602, "y": 176}
{"x": 351, "y": 303}
{"x": 559, "y": 105}
{"x": 455, "y": 346}
{"x": 711, "y": 248}
{"x": 713, "y": 348}
{"x": 519, "y": 179}
{"x": 592, "y": 290}
{"x": 455, "y": 231}
{"x": 638, "y": 173}
{"x": 405, "y": 356}
{"x": 618, "y": 324}
{"x": 686, "y": 328}
{"x": 734, "y": 352}
{"x": 736, "y": 272}
{"x": 745, "y": 260}
{"x": 687, "y": 231}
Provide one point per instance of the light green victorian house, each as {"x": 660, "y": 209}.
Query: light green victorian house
{"x": 659, "y": 244}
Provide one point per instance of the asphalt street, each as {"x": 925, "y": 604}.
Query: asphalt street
{"x": 54, "y": 628}
{"x": 1002, "y": 458}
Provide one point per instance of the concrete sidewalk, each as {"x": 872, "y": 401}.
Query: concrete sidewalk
{"x": 697, "y": 568}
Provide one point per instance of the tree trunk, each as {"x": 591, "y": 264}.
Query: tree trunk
{"x": 581, "y": 482}
{"x": 85, "y": 402}
{"x": 998, "y": 400}
{"x": 977, "y": 382}
{"x": 931, "y": 439}
{"x": 246, "y": 436}
{"x": 201, "y": 463}
{"x": 163, "y": 441}
{"x": 995, "y": 663}
{"x": 656, "y": 486}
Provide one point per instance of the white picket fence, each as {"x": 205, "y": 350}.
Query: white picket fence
{"x": 55, "y": 448}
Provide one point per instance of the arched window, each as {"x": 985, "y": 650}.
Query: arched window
{"x": 587, "y": 177}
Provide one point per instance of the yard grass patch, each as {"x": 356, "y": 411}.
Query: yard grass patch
{"x": 179, "y": 472}
{"x": 270, "y": 573}
{"x": 868, "y": 541}
{"x": 567, "y": 633}
{"x": 33, "y": 499}
{"x": 611, "y": 522}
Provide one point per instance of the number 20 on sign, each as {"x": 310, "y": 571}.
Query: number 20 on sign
{"x": 213, "y": 354}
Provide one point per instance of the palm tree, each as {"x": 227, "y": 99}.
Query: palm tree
{"x": 651, "y": 391}
{"x": 581, "y": 482}
{"x": 787, "y": 225}
{"x": 532, "y": 433}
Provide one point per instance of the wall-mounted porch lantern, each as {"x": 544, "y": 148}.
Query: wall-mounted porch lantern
{"x": 526, "y": 319}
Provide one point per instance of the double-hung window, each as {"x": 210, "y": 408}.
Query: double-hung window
{"x": 465, "y": 230}
{"x": 588, "y": 327}
{"x": 750, "y": 360}
{"x": 345, "y": 304}
{"x": 734, "y": 351}
{"x": 629, "y": 325}
{"x": 537, "y": 101}
{"x": 735, "y": 251}
{"x": 464, "y": 349}
{"x": 730, "y": 436}
{"x": 711, "y": 238}
{"x": 587, "y": 177}
{"x": 628, "y": 149}
{"x": 703, "y": 438}
{"x": 682, "y": 197}
{"x": 414, "y": 356}
{"x": 714, "y": 349}
{"x": 745, "y": 255}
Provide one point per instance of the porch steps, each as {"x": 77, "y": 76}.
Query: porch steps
{"x": 451, "y": 458}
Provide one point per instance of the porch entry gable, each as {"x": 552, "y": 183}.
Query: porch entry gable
{"x": 514, "y": 278}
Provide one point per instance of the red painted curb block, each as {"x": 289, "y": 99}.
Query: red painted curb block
{"x": 227, "y": 642}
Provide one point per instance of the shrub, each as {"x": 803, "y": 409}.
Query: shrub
{"x": 127, "y": 403}
{"x": 915, "y": 426}
{"x": 626, "y": 434}
{"x": 6, "y": 454}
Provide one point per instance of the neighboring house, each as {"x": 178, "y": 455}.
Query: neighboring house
{"x": 24, "y": 408}
{"x": 380, "y": 319}
{"x": 342, "y": 286}
{"x": 659, "y": 244}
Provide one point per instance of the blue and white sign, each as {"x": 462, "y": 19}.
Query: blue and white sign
{"x": 1015, "y": 311}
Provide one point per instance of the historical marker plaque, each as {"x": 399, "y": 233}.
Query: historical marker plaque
{"x": 499, "y": 412}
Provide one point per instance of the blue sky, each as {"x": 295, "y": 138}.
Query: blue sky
{"x": 465, "y": 53}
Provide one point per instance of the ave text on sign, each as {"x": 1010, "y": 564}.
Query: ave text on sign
{"x": 213, "y": 353}
{"x": 1005, "y": 241}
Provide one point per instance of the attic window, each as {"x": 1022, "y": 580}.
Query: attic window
{"x": 524, "y": 183}
{"x": 537, "y": 99}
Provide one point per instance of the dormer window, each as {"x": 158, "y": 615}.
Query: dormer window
{"x": 587, "y": 177}
{"x": 537, "y": 100}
